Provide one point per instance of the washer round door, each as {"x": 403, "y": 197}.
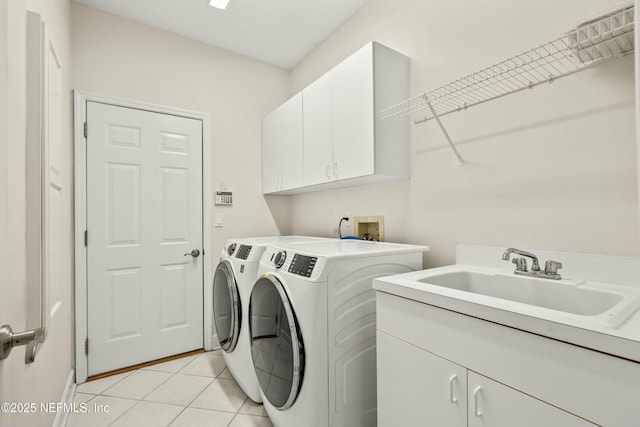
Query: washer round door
{"x": 227, "y": 310}
{"x": 276, "y": 343}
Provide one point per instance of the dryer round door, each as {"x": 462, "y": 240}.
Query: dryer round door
{"x": 276, "y": 343}
{"x": 227, "y": 310}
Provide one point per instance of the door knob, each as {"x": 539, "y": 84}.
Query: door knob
{"x": 194, "y": 253}
{"x": 10, "y": 339}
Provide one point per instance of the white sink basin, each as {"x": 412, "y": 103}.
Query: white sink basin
{"x": 553, "y": 294}
{"x": 606, "y": 304}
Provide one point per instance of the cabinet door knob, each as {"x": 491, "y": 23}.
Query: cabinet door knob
{"x": 476, "y": 404}
{"x": 452, "y": 379}
{"x": 335, "y": 171}
{"x": 328, "y": 172}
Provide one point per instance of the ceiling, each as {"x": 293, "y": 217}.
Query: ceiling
{"x": 278, "y": 32}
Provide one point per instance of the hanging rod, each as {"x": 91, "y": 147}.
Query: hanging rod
{"x": 593, "y": 42}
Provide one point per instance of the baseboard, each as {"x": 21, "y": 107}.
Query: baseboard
{"x": 67, "y": 398}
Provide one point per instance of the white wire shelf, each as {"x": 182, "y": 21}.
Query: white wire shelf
{"x": 593, "y": 42}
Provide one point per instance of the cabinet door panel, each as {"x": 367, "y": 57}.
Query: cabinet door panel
{"x": 353, "y": 115}
{"x": 291, "y": 143}
{"x": 270, "y": 149}
{"x": 282, "y": 147}
{"x": 418, "y": 388}
{"x": 492, "y": 404}
{"x": 318, "y": 131}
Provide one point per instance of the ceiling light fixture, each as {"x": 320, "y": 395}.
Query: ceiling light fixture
{"x": 220, "y": 4}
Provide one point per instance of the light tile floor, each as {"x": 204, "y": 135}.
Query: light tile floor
{"x": 193, "y": 391}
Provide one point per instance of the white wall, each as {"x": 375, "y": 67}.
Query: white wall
{"x": 119, "y": 57}
{"x": 44, "y": 380}
{"x": 551, "y": 168}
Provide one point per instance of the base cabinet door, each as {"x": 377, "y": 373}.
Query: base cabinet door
{"x": 492, "y": 404}
{"x": 418, "y": 388}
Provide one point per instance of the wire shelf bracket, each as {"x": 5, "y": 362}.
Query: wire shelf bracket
{"x": 444, "y": 131}
{"x": 593, "y": 42}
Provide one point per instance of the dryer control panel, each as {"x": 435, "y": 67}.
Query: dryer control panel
{"x": 302, "y": 265}
{"x": 243, "y": 252}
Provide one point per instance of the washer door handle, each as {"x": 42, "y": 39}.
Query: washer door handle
{"x": 194, "y": 253}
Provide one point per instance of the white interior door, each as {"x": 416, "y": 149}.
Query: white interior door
{"x": 144, "y": 213}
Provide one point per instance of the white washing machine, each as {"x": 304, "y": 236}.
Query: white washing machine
{"x": 232, "y": 282}
{"x": 313, "y": 329}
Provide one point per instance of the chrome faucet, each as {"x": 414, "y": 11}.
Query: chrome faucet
{"x": 534, "y": 267}
{"x": 550, "y": 267}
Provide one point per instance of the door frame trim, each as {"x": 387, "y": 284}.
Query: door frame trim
{"x": 80, "y": 181}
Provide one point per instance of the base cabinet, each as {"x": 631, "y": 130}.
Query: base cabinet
{"x": 419, "y": 388}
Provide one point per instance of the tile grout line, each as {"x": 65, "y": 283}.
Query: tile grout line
{"x": 184, "y": 407}
{"x": 142, "y": 399}
{"x": 125, "y": 376}
{"x": 138, "y": 401}
{"x": 144, "y": 370}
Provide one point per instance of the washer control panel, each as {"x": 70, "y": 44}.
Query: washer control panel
{"x": 302, "y": 265}
{"x": 243, "y": 252}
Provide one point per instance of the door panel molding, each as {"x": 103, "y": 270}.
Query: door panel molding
{"x": 80, "y": 166}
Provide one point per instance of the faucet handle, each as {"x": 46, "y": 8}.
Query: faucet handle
{"x": 551, "y": 267}
{"x": 521, "y": 264}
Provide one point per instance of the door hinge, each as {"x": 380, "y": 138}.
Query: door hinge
{"x": 86, "y": 130}
{"x": 86, "y": 346}
{"x": 86, "y": 238}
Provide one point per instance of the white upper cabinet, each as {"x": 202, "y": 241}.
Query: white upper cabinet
{"x": 282, "y": 147}
{"x": 343, "y": 141}
{"x": 339, "y": 122}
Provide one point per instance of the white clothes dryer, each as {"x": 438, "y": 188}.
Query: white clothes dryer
{"x": 313, "y": 329}
{"x": 232, "y": 282}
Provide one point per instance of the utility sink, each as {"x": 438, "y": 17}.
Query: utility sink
{"x": 605, "y": 304}
{"x": 594, "y": 303}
